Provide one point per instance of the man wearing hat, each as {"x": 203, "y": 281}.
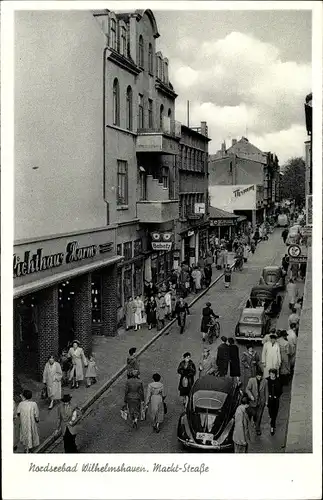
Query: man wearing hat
{"x": 271, "y": 355}
{"x": 257, "y": 391}
{"x": 207, "y": 364}
{"x": 67, "y": 419}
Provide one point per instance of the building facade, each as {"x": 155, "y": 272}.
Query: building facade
{"x": 192, "y": 225}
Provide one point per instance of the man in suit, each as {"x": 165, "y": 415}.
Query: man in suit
{"x": 223, "y": 357}
{"x": 257, "y": 391}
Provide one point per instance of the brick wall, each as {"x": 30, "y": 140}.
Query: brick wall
{"x": 83, "y": 312}
{"x": 109, "y": 301}
{"x": 47, "y": 326}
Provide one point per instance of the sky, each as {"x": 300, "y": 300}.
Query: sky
{"x": 244, "y": 72}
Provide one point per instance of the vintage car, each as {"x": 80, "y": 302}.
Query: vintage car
{"x": 294, "y": 235}
{"x": 208, "y": 421}
{"x": 254, "y": 324}
{"x": 282, "y": 220}
{"x": 267, "y": 297}
{"x": 273, "y": 276}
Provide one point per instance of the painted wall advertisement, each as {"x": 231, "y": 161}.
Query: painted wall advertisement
{"x": 237, "y": 197}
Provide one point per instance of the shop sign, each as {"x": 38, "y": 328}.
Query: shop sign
{"x": 236, "y": 197}
{"x": 37, "y": 261}
{"x": 161, "y": 245}
{"x": 162, "y": 241}
{"x": 301, "y": 259}
{"x": 294, "y": 251}
{"x": 199, "y": 208}
{"x": 222, "y": 222}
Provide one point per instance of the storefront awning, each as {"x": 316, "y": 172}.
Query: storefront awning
{"x": 217, "y": 213}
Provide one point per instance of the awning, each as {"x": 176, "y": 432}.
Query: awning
{"x": 217, "y": 213}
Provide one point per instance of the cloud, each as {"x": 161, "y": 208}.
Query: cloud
{"x": 240, "y": 82}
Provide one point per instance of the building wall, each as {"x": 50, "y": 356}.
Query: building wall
{"x": 234, "y": 170}
{"x": 58, "y": 123}
{"x": 307, "y": 167}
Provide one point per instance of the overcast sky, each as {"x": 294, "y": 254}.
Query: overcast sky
{"x": 243, "y": 72}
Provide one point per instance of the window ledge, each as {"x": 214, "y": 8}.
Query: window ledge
{"x": 122, "y": 207}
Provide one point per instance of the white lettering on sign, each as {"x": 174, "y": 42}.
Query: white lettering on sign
{"x": 239, "y": 192}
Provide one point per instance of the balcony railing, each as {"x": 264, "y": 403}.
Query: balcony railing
{"x": 168, "y": 126}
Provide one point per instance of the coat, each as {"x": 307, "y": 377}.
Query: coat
{"x": 274, "y": 389}
{"x": 223, "y": 356}
{"x": 181, "y": 311}
{"x": 91, "y": 370}
{"x": 285, "y": 355}
{"x": 78, "y": 359}
{"x": 197, "y": 276}
{"x": 155, "y": 401}
{"x": 65, "y": 417}
{"x": 241, "y": 434}
{"x": 130, "y": 314}
{"x": 140, "y": 308}
{"x": 161, "y": 308}
{"x": 188, "y": 372}
{"x": 234, "y": 361}
{"x": 28, "y": 412}
{"x": 292, "y": 292}
{"x": 134, "y": 390}
{"x": 249, "y": 363}
{"x": 207, "y": 314}
{"x": 207, "y": 366}
{"x": 132, "y": 364}
{"x": 168, "y": 302}
{"x": 52, "y": 377}
{"x": 261, "y": 397}
{"x": 270, "y": 357}
{"x": 151, "y": 312}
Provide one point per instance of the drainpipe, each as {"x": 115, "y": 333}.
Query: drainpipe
{"x": 104, "y": 127}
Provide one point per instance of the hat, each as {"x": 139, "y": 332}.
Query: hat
{"x": 208, "y": 304}
{"x": 66, "y": 398}
{"x": 273, "y": 336}
{"x": 76, "y": 342}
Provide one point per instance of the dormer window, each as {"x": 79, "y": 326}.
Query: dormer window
{"x": 141, "y": 52}
{"x": 113, "y": 34}
{"x": 150, "y": 59}
{"x": 123, "y": 41}
{"x": 166, "y": 71}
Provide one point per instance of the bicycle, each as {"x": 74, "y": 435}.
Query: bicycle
{"x": 213, "y": 331}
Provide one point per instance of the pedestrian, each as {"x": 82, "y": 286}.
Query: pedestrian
{"x": 252, "y": 246}
{"x": 52, "y": 379}
{"x": 227, "y": 276}
{"x": 285, "y": 263}
{"x": 220, "y": 259}
{"x": 67, "y": 423}
{"x": 292, "y": 340}
{"x": 151, "y": 312}
{"x": 132, "y": 362}
{"x": 181, "y": 310}
{"x": 134, "y": 397}
{"x": 187, "y": 371}
{"x": 209, "y": 258}
{"x": 28, "y": 414}
{"x": 274, "y": 393}
{"x": 66, "y": 366}
{"x": 77, "y": 355}
{"x": 285, "y": 355}
{"x": 294, "y": 319}
{"x": 241, "y": 432}
{"x": 223, "y": 356}
{"x": 298, "y": 307}
{"x": 292, "y": 293}
{"x": 168, "y": 302}
{"x": 271, "y": 355}
{"x": 150, "y": 289}
{"x": 257, "y": 391}
{"x": 207, "y": 365}
{"x": 250, "y": 361}
{"x": 208, "y": 275}
{"x": 302, "y": 270}
{"x": 155, "y": 401}
{"x": 256, "y": 236}
{"x": 294, "y": 268}
{"x": 139, "y": 310}
{"x": 245, "y": 252}
{"x": 207, "y": 315}
{"x": 160, "y": 311}
{"x": 285, "y": 234}
{"x": 197, "y": 276}
{"x": 91, "y": 371}
{"x": 234, "y": 359}
{"x": 130, "y": 313}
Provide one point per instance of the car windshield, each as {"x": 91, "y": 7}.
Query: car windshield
{"x": 208, "y": 401}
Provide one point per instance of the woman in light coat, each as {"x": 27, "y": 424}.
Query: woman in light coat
{"x": 77, "y": 355}
{"x": 52, "y": 378}
{"x": 160, "y": 311}
{"x": 130, "y": 313}
{"x": 140, "y": 308}
{"x": 270, "y": 357}
{"x": 155, "y": 401}
{"x": 168, "y": 302}
{"x": 28, "y": 414}
{"x": 285, "y": 354}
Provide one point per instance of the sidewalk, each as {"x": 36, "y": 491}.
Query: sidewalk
{"x": 110, "y": 354}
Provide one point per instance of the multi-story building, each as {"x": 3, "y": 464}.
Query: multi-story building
{"x": 141, "y": 144}
{"x": 192, "y": 226}
{"x": 246, "y": 169}
{"x": 308, "y": 146}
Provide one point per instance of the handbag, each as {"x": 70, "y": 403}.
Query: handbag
{"x": 184, "y": 382}
{"x": 165, "y": 407}
{"x": 44, "y": 393}
{"x": 124, "y": 413}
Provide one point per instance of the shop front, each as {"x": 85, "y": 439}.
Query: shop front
{"x": 159, "y": 264}
{"x": 224, "y": 224}
{"x": 65, "y": 288}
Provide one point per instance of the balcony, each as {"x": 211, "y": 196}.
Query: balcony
{"x": 162, "y": 140}
{"x": 157, "y": 212}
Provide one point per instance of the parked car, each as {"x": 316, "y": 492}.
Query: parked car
{"x": 254, "y": 324}
{"x": 267, "y": 297}
{"x": 273, "y": 276}
{"x": 282, "y": 220}
{"x": 208, "y": 421}
{"x": 294, "y": 235}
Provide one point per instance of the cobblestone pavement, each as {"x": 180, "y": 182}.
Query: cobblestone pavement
{"x": 103, "y": 430}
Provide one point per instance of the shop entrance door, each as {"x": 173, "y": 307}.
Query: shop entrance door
{"x": 66, "y": 295}
{"x": 187, "y": 250}
{"x": 26, "y": 336}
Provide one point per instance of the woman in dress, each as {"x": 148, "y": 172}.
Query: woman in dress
{"x": 28, "y": 414}
{"x": 160, "y": 311}
{"x": 155, "y": 401}
{"x": 151, "y": 312}
{"x": 187, "y": 371}
{"x": 134, "y": 396}
{"x": 139, "y": 309}
{"x": 77, "y": 355}
{"x": 250, "y": 360}
{"x": 52, "y": 378}
{"x": 130, "y": 313}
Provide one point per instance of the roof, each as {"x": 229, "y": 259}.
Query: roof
{"x": 217, "y": 213}
{"x": 211, "y": 383}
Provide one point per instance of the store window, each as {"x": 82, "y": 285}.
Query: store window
{"x": 119, "y": 286}
{"x": 26, "y": 334}
{"x": 127, "y": 250}
{"x": 137, "y": 278}
{"x": 96, "y": 294}
{"x": 137, "y": 250}
{"x": 154, "y": 269}
{"x": 127, "y": 283}
{"x": 122, "y": 194}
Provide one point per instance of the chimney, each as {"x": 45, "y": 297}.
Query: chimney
{"x": 223, "y": 147}
{"x": 234, "y": 141}
{"x": 204, "y": 128}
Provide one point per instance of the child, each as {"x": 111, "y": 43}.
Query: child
{"x": 227, "y": 276}
{"x": 66, "y": 365}
{"x": 91, "y": 371}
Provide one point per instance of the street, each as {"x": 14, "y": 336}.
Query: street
{"x": 103, "y": 430}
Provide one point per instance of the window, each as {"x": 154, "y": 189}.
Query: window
{"x": 150, "y": 113}
{"x": 189, "y": 158}
{"x": 137, "y": 278}
{"x": 123, "y": 39}
{"x": 160, "y": 71}
{"x": 119, "y": 249}
{"x": 141, "y": 112}
{"x": 143, "y": 185}
{"x": 122, "y": 195}
{"x": 166, "y": 72}
{"x": 119, "y": 286}
{"x": 169, "y": 114}
{"x": 141, "y": 52}
{"x": 96, "y": 294}
{"x": 113, "y": 34}
{"x": 116, "y": 102}
{"x": 184, "y": 157}
{"x": 129, "y": 108}
{"x": 165, "y": 177}
{"x": 127, "y": 250}
{"x": 150, "y": 60}
{"x": 137, "y": 247}
{"x": 127, "y": 282}
{"x": 161, "y": 112}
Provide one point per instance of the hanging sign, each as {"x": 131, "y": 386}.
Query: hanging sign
{"x": 161, "y": 241}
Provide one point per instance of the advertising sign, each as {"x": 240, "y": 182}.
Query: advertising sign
{"x": 199, "y": 208}
{"x": 161, "y": 241}
{"x": 237, "y": 197}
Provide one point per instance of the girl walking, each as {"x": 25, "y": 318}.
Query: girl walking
{"x": 155, "y": 401}
{"x": 91, "y": 371}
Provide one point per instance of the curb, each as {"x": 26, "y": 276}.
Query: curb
{"x": 57, "y": 436}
